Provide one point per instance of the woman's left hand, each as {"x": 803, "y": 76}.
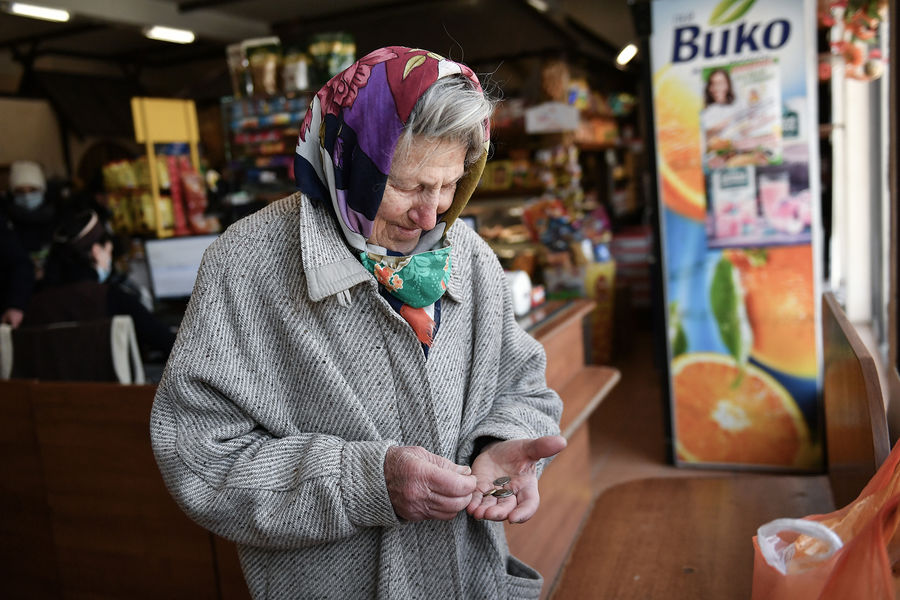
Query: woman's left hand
{"x": 516, "y": 459}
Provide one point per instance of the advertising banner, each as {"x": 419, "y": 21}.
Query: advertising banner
{"x": 734, "y": 101}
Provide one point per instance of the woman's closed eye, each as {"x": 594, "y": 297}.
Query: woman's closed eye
{"x": 424, "y": 189}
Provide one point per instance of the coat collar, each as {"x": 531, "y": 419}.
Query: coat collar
{"x": 330, "y": 266}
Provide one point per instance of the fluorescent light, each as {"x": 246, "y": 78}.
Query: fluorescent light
{"x": 626, "y": 54}
{"x": 169, "y": 34}
{"x": 38, "y": 12}
{"x": 539, "y": 5}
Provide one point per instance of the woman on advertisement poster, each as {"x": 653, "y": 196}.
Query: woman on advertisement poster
{"x": 741, "y": 119}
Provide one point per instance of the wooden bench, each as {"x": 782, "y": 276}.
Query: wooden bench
{"x": 690, "y": 537}
{"x": 83, "y": 509}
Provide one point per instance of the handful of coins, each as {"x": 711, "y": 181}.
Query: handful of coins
{"x": 500, "y": 490}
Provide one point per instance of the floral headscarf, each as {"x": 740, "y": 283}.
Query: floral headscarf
{"x": 348, "y": 137}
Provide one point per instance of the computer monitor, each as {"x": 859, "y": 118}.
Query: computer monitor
{"x": 173, "y": 264}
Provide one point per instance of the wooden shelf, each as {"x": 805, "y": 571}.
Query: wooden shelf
{"x": 544, "y": 541}
{"x": 598, "y": 146}
{"x": 583, "y": 394}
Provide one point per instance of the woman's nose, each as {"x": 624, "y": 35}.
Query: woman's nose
{"x": 424, "y": 213}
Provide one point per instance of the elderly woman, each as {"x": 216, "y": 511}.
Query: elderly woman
{"x": 349, "y": 388}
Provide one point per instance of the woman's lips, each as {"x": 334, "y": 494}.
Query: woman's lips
{"x": 406, "y": 232}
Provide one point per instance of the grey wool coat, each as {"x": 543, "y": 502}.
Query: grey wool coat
{"x": 291, "y": 377}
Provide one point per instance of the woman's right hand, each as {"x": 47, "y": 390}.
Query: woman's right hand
{"x": 425, "y": 486}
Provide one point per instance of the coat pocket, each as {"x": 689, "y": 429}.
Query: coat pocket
{"x": 521, "y": 580}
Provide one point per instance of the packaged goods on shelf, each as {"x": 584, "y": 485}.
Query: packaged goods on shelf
{"x": 131, "y": 174}
{"x": 262, "y": 135}
{"x": 146, "y": 216}
{"x": 119, "y": 175}
{"x": 597, "y": 131}
{"x": 331, "y": 53}
{"x": 239, "y": 70}
{"x": 182, "y": 205}
{"x": 133, "y": 214}
{"x": 263, "y": 67}
{"x": 509, "y": 113}
{"x": 579, "y": 94}
{"x": 539, "y": 215}
{"x": 189, "y": 200}
{"x": 295, "y": 70}
{"x": 264, "y": 59}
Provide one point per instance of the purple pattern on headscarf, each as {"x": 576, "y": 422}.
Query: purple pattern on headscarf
{"x": 362, "y": 112}
{"x": 337, "y": 155}
{"x": 354, "y": 220}
{"x": 373, "y": 117}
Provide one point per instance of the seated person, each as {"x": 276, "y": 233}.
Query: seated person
{"x": 80, "y": 284}
{"x": 16, "y": 276}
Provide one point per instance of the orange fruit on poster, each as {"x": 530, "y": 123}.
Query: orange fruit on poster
{"x": 723, "y": 417}
{"x": 780, "y": 302}
{"x": 678, "y": 108}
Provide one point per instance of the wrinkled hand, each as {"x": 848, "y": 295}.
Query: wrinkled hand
{"x": 424, "y": 486}
{"x": 516, "y": 459}
{"x": 12, "y": 317}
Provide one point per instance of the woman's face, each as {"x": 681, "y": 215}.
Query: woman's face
{"x": 718, "y": 87}
{"x": 420, "y": 186}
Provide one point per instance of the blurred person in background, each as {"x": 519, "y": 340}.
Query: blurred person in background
{"x": 16, "y": 276}
{"x": 31, "y": 210}
{"x": 81, "y": 283}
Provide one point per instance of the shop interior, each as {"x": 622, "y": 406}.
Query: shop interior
{"x": 169, "y": 143}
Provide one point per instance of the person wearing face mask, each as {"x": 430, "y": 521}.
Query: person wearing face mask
{"x": 29, "y": 210}
{"x": 80, "y": 283}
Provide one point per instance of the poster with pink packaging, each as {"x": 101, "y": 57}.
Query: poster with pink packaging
{"x": 755, "y": 158}
{"x": 761, "y": 205}
{"x": 736, "y": 130}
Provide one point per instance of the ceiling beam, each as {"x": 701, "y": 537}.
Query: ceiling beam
{"x": 362, "y": 11}
{"x": 184, "y": 7}
{"x": 209, "y": 24}
{"x": 53, "y": 34}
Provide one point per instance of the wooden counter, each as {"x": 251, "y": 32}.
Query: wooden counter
{"x": 545, "y": 541}
{"x": 690, "y": 537}
{"x": 683, "y": 538}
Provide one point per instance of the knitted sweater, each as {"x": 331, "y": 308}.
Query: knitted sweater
{"x": 292, "y": 376}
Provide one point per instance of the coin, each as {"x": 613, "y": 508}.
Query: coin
{"x": 503, "y": 494}
{"x": 501, "y": 481}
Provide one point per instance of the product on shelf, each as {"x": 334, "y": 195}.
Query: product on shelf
{"x": 295, "y": 70}
{"x": 264, "y": 58}
{"x": 239, "y": 70}
{"x": 331, "y": 53}
{"x": 179, "y": 218}
{"x": 262, "y": 136}
{"x": 182, "y": 206}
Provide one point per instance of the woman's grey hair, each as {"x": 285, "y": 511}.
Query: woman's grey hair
{"x": 452, "y": 110}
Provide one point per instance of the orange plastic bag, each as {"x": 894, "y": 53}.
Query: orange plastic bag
{"x": 849, "y": 553}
